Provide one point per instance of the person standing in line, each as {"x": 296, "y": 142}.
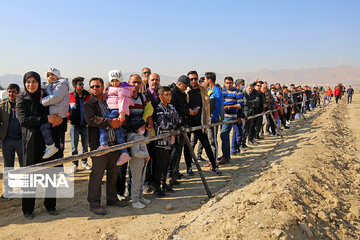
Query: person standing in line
{"x": 10, "y": 131}
{"x": 31, "y": 115}
{"x": 350, "y": 93}
{"x": 152, "y": 95}
{"x": 95, "y": 111}
{"x": 337, "y": 93}
{"x": 232, "y": 103}
{"x": 78, "y": 125}
{"x": 167, "y": 119}
{"x": 139, "y": 159}
{"x": 216, "y": 108}
{"x": 145, "y": 82}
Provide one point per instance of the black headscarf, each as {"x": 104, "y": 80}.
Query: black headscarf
{"x": 36, "y": 107}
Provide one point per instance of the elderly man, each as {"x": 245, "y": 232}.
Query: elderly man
{"x": 95, "y": 111}
{"x": 145, "y": 82}
{"x": 10, "y": 130}
{"x": 152, "y": 95}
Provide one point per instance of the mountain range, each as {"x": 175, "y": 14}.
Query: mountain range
{"x": 345, "y": 74}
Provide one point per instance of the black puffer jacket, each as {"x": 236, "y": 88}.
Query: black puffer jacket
{"x": 179, "y": 101}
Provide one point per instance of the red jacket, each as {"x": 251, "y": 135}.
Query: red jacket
{"x": 337, "y": 91}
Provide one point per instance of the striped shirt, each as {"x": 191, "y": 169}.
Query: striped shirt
{"x": 232, "y": 97}
{"x": 139, "y": 105}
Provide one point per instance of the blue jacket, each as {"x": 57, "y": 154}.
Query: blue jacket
{"x": 216, "y": 103}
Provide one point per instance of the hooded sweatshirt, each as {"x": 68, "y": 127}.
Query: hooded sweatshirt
{"x": 57, "y": 98}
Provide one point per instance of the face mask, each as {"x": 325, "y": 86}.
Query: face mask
{"x": 141, "y": 131}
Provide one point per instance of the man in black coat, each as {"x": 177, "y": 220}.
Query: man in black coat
{"x": 179, "y": 101}
{"x": 250, "y": 102}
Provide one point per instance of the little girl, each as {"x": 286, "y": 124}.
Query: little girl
{"x": 139, "y": 158}
{"x": 118, "y": 100}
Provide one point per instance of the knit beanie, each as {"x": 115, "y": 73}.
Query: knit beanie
{"x": 54, "y": 71}
{"x": 135, "y": 123}
{"x": 115, "y": 74}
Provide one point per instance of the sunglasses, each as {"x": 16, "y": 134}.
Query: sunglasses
{"x": 80, "y": 84}
{"x": 193, "y": 79}
{"x": 146, "y": 72}
{"x": 95, "y": 86}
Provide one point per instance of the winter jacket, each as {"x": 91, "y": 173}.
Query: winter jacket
{"x": 250, "y": 102}
{"x": 5, "y": 111}
{"x": 120, "y": 98}
{"x": 329, "y": 92}
{"x": 179, "y": 101}
{"x": 337, "y": 91}
{"x": 76, "y": 108}
{"x": 137, "y": 151}
{"x": 216, "y": 103}
{"x": 350, "y": 91}
{"x": 205, "y": 110}
{"x": 167, "y": 119}
{"x": 57, "y": 98}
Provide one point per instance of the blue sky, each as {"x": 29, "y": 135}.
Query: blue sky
{"x": 89, "y": 38}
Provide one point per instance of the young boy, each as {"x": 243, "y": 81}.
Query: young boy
{"x": 57, "y": 99}
{"x": 139, "y": 158}
{"x": 167, "y": 119}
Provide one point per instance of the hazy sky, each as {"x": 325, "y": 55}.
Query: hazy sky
{"x": 89, "y": 38}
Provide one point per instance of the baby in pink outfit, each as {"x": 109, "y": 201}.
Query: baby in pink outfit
{"x": 118, "y": 100}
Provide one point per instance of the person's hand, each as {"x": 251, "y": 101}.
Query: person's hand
{"x": 54, "y": 119}
{"x": 115, "y": 123}
{"x": 150, "y": 123}
{"x": 122, "y": 118}
{"x": 147, "y": 159}
{"x": 192, "y": 112}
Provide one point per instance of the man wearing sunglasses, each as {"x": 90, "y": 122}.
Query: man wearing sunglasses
{"x": 78, "y": 126}
{"x": 95, "y": 111}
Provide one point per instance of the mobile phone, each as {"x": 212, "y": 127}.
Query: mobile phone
{"x": 195, "y": 109}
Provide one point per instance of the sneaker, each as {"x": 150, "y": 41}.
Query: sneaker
{"x": 145, "y": 200}
{"x": 50, "y": 151}
{"x": 189, "y": 171}
{"x": 243, "y": 148}
{"x": 236, "y": 153}
{"x": 73, "y": 169}
{"x": 86, "y": 166}
{"x": 179, "y": 176}
{"x": 100, "y": 148}
{"x": 148, "y": 189}
{"x": 201, "y": 159}
{"x": 251, "y": 143}
{"x": 124, "y": 158}
{"x": 217, "y": 171}
{"x": 138, "y": 205}
{"x": 159, "y": 193}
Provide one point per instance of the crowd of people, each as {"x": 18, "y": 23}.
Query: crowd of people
{"x": 34, "y": 123}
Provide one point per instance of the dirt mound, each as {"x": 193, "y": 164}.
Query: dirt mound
{"x": 313, "y": 191}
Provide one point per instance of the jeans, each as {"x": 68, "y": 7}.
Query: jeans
{"x": 236, "y": 137}
{"x": 104, "y": 133}
{"x": 203, "y": 138}
{"x": 46, "y": 132}
{"x": 75, "y": 131}
{"x": 9, "y": 147}
{"x": 176, "y": 155}
{"x": 349, "y": 98}
{"x": 225, "y": 137}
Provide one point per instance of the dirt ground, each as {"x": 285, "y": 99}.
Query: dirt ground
{"x": 305, "y": 185}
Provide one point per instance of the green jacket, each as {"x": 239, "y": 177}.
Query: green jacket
{"x": 5, "y": 111}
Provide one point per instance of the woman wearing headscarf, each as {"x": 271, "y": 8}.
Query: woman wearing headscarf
{"x": 31, "y": 114}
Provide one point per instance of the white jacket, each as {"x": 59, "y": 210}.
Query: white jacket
{"x": 57, "y": 97}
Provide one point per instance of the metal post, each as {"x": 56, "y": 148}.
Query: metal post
{"x": 187, "y": 142}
